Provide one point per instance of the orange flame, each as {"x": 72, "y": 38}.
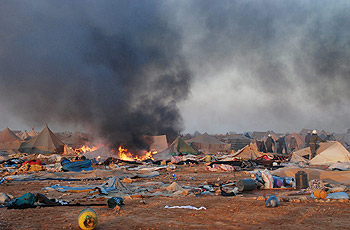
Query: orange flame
{"x": 127, "y": 156}
{"x": 84, "y": 149}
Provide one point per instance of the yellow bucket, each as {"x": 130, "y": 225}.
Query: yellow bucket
{"x": 87, "y": 219}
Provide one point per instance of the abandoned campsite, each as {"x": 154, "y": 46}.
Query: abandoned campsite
{"x": 186, "y": 114}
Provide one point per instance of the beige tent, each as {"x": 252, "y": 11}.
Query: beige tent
{"x": 45, "y": 142}
{"x": 327, "y": 153}
{"x": 32, "y": 133}
{"x": 159, "y": 143}
{"x": 249, "y": 152}
{"x": 25, "y": 136}
{"x": 9, "y": 140}
{"x": 207, "y": 143}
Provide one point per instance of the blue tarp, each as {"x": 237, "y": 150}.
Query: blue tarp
{"x": 76, "y": 166}
{"x": 335, "y": 195}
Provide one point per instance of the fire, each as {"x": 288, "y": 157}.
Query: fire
{"x": 84, "y": 149}
{"x": 125, "y": 155}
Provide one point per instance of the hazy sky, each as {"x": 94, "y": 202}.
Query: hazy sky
{"x": 222, "y": 65}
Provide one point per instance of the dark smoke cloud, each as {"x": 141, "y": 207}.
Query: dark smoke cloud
{"x": 113, "y": 67}
{"x": 124, "y": 67}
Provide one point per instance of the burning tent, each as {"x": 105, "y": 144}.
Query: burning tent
{"x": 9, "y": 140}
{"x": 179, "y": 146}
{"x": 45, "y": 142}
{"x": 207, "y": 143}
{"x": 328, "y": 152}
{"x": 100, "y": 154}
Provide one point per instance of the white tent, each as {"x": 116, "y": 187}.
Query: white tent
{"x": 328, "y": 153}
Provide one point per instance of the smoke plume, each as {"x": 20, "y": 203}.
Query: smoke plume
{"x": 113, "y": 67}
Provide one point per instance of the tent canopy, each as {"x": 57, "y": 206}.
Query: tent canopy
{"x": 9, "y": 141}
{"x": 298, "y": 137}
{"x": 159, "y": 143}
{"x": 7, "y": 135}
{"x": 45, "y": 142}
{"x": 328, "y": 153}
{"x": 249, "y": 152}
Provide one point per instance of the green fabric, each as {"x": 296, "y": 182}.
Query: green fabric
{"x": 184, "y": 148}
{"x": 26, "y": 199}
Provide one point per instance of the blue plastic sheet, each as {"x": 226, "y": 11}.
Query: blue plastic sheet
{"x": 77, "y": 166}
{"x": 335, "y": 195}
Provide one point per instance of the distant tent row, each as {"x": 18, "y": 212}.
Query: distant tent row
{"x": 207, "y": 143}
{"x": 237, "y": 141}
{"x": 45, "y": 142}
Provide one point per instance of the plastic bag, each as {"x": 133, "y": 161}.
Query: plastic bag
{"x": 272, "y": 202}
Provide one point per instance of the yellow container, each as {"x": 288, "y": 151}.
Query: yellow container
{"x": 87, "y": 219}
{"x": 320, "y": 194}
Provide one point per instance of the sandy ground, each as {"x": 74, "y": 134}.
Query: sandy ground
{"x": 239, "y": 212}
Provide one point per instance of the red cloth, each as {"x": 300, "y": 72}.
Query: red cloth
{"x": 33, "y": 162}
{"x": 264, "y": 157}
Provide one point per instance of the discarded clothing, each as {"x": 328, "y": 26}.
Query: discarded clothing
{"x": 185, "y": 207}
{"x": 224, "y": 167}
{"x": 24, "y": 201}
{"x": 33, "y": 162}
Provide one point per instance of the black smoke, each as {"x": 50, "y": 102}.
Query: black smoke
{"x": 112, "y": 67}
